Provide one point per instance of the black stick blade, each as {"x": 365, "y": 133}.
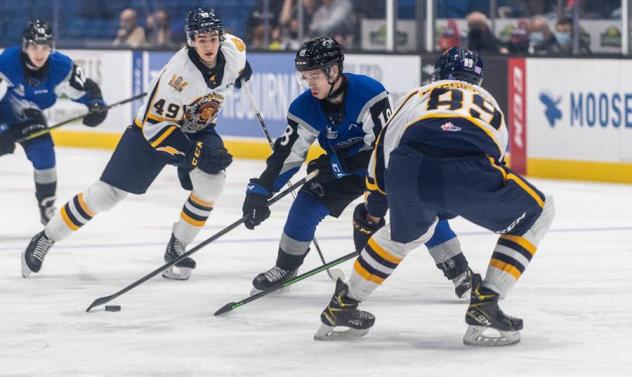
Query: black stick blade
{"x": 98, "y": 302}
{"x": 227, "y": 308}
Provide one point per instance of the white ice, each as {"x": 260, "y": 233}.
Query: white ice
{"x": 575, "y": 298}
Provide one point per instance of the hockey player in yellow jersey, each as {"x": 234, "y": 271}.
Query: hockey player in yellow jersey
{"x": 439, "y": 156}
{"x": 175, "y": 126}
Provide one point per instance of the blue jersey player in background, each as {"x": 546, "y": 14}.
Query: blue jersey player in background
{"x": 32, "y": 77}
{"x": 345, "y": 112}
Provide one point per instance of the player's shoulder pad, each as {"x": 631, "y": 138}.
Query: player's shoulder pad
{"x": 10, "y": 65}
{"x": 59, "y": 66}
{"x": 234, "y": 50}
{"x": 304, "y": 107}
{"x": 364, "y": 85}
{"x": 180, "y": 75}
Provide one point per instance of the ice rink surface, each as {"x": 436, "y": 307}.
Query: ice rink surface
{"x": 575, "y": 297}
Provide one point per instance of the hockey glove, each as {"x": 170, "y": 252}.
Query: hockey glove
{"x": 256, "y": 204}
{"x": 7, "y": 144}
{"x": 322, "y": 163}
{"x": 363, "y": 229}
{"x": 98, "y": 113}
{"x": 209, "y": 159}
{"x": 244, "y": 75}
{"x": 10, "y": 133}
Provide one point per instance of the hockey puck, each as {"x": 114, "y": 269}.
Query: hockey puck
{"x": 113, "y": 308}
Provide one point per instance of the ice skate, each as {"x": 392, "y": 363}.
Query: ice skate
{"x": 33, "y": 256}
{"x": 46, "y": 212}
{"x": 182, "y": 269}
{"x": 463, "y": 284}
{"x": 275, "y": 275}
{"x": 488, "y": 325}
{"x": 342, "y": 311}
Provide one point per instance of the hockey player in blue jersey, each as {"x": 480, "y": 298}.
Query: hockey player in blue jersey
{"x": 345, "y": 112}
{"x": 454, "y": 130}
{"x": 32, "y": 76}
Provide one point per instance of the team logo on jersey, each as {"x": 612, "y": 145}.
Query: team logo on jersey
{"x": 177, "y": 83}
{"x": 202, "y": 112}
{"x": 239, "y": 44}
{"x": 331, "y": 133}
{"x": 450, "y": 127}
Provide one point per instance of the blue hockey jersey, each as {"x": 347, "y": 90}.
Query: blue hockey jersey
{"x": 60, "y": 76}
{"x": 343, "y": 133}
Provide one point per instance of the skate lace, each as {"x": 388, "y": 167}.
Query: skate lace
{"x": 275, "y": 274}
{"x": 42, "y": 247}
{"x": 178, "y": 247}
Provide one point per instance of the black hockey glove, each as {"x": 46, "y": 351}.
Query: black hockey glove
{"x": 10, "y": 133}
{"x": 98, "y": 113}
{"x": 322, "y": 163}
{"x": 209, "y": 159}
{"x": 244, "y": 75}
{"x": 256, "y": 204}
{"x": 363, "y": 229}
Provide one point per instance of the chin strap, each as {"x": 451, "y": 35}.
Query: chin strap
{"x": 335, "y": 93}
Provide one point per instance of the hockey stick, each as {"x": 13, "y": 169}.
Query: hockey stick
{"x": 276, "y": 198}
{"x": 246, "y": 87}
{"x": 234, "y": 305}
{"x": 78, "y": 117}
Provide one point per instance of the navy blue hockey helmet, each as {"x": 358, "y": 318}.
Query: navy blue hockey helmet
{"x": 38, "y": 32}
{"x": 459, "y": 64}
{"x": 317, "y": 53}
{"x": 202, "y": 20}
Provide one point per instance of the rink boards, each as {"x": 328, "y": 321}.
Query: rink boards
{"x": 568, "y": 118}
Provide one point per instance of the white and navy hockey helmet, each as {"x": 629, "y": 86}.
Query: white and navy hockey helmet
{"x": 202, "y": 20}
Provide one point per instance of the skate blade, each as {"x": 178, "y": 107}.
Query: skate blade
{"x": 26, "y": 271}
{"x": 330, "y": 333}
{"x": 177, "y": 273}
{"x": 278, "y": 292}
{"x": 481, "y": 336}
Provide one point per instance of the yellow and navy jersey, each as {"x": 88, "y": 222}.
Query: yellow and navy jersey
{"x": 447, "y": 114}
{"x": 188, "y": 95}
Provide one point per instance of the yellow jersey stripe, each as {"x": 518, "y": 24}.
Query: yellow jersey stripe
{"x": 84, "y": 205}
{"x": 526, "y": 187}
{"x": 157, "y": 118}
{"x": 164, "y": 135}
{"x": 521, "y": 241}
{"x": 67, "y": 220}
{"x": 203, "y": 203}
{"x": 383, "y": 253}
{"x": 505, "y": 267}
{"x": 366, "y": 275}
{"x": 191, "y": 221}
{"x": 499, "y": 168}
{"x": 138, "y": 123}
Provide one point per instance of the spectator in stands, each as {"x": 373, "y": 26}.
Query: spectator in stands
{"x": 130, "y": 33}
{"x": 541, "y": 40}
{"x": 449, "y": 37}
{"x": 519, "y": 39}
{"x": 257, "y": 21}
{"x": 289, "y": 22}
{"x": 334, "y": 18}
{"x": 564, "y": 36}
{"x": 158, "y": 29}
{"x": 480, "y": 36}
